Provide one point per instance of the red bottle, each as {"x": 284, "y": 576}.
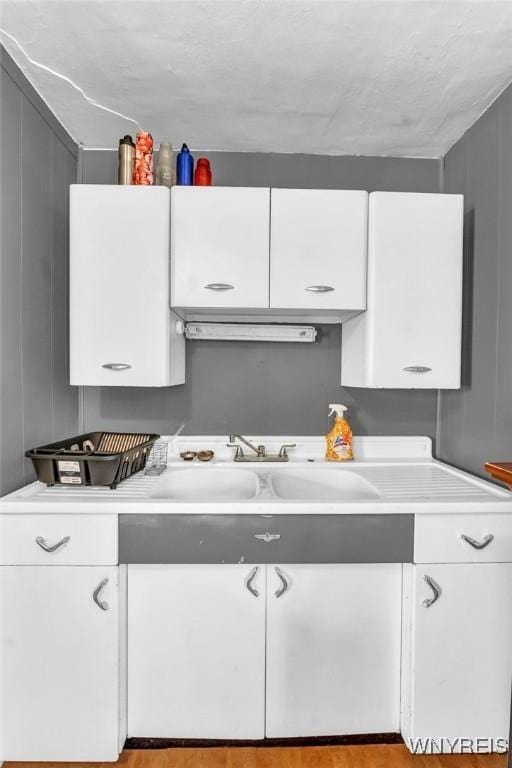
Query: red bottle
{"x": 203, "y": 173}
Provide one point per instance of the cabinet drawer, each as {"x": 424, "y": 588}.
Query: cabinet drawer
{"x": 263, "y": 539}
{"x": 58, "y": 539}
{"x": 463, "y": 538}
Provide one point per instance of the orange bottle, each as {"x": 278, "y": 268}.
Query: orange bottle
{"x": 339, "y": 438}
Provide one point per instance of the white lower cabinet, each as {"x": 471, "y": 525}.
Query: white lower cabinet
{"x": 333, "y": 649}
{"x": 201, "y": 641}
{"x": 457, "y": 655}
{"x": 59, "y": 645}
{"x": 247, "y": 651}
{"x": 196, "y": 651}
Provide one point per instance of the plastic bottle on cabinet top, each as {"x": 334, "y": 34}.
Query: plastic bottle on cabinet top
{"x": 184, "y": 167}
{"x": 126, "y": 160}
{"x": 165, "y": 175}
{"x": 203, "y": 173}
{"x": 143, "y": 173}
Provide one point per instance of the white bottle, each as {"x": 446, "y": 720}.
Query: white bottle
{"x": 165, "y": 175}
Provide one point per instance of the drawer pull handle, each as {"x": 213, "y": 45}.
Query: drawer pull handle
{"x": 249, "y": 580}
{"x": 219, "y": 287}
{"x": 96, "y": 595}
{"x": 284, "y": 582}
{"x": 52, "y": 547}
{"x": 417, "y": 368}
{"x": 267, "y": 536}
{"x": 116, "y": 366}
{"x": 478, "y": 544}
{"x": 319, "y": 288}
{"x": 436, "y": 589}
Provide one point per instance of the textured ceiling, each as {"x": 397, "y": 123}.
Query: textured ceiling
{"x": 373, "y": 78}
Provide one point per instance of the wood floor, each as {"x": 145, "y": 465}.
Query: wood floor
{"x": 381, "y": 756}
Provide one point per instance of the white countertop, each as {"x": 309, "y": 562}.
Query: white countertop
{"x": 401, "y": 469}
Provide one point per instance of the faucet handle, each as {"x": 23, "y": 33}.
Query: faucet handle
{"x": 283, "y": 453}
{"x": 239, "y": 452}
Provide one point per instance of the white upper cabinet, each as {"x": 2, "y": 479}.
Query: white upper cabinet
{"x": 121, "y": 329}
{"x": 410, "y": 336}
{"x": 318, "y": 249}
{"x": 220, "y": 247}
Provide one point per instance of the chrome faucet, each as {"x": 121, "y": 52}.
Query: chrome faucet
{"x": 259, "y": 450}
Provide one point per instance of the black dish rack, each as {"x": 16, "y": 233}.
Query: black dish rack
{"x": 96, "y": 458}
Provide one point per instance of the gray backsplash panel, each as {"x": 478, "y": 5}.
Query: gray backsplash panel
{"x": 38, "y": 162}
{"x": 476, "y": 422}
{"x": 270, "y": 388}
{"x": 260, "y": 388}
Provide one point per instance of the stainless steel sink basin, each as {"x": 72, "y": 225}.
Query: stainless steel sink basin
{"x": 322, "y": 485}
{"x": 207, "y": 484}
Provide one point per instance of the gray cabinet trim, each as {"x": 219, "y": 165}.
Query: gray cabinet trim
{"x": 229, "y": 538}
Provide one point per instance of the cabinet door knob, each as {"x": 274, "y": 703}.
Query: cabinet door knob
{"x": 284, "y": 582}
{"x": 267, "y": 536}
{"x": 319, "y": 288}
{"x": 52, "y": 547}
{"x": 249, "y": 579}
{"x": 417, "y": 368}
{"x": 116, "y": 366}
{"x": 219, "y": 287}
{"x": 436, "y": 589}
{"x": 96, "y": 595}
{"x": 478, "y": 544}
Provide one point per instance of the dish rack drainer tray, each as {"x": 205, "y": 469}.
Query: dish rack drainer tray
{"x": 96, "y": 458}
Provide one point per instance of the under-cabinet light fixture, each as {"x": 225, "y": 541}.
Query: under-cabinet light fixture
{"x": 249, "y": 332}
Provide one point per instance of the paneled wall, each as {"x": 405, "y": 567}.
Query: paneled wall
{"x": 270, "y": 388}
{"x": 38, "y": 162}
{"x": 476, "y": 422}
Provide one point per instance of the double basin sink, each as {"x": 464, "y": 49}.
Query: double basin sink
{"x": 294, "y": 484}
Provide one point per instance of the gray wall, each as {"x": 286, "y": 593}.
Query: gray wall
{"x": 38, "y": 162}
{"x": 270, "y": 388}
{"x": 476, "y": 422}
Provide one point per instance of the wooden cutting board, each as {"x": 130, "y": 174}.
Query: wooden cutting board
{"x": 500, "y": 470}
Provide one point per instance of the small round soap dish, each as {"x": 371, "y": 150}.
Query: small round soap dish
{"x": 205, "y": 455}
{"x": 188, "y": 455}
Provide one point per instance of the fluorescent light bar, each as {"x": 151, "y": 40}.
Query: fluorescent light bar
{"x": 249, "y": 332}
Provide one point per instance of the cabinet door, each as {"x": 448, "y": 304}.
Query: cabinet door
{"x": 415, "y": 289}
{"x": 333, "y": 649}
{"x": 410, "y": 336}
{"x": 318, "y": 249}
{"x": 457, "y": 681}
{"x": 120, "y": 329}
{"x": 220, "y": 247}
{"x": 196, "y": 651}
{"x": 60, "y": 663}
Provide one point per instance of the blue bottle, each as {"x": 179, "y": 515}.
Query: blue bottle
{"x": 185, "y": 167}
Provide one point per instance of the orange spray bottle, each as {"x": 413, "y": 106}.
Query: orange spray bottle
{"x": 339, "y": 438}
